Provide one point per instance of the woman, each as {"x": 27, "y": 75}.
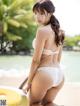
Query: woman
{"x": 46, "y": 77}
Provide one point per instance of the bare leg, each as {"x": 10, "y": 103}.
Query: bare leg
{"x": 51, "y": 95}
{"x": 38, "y": 90}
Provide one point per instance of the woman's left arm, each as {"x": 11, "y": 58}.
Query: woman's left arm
{"x": 39, "y": 45}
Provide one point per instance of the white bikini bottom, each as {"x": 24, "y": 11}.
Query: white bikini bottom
{"x": 56, "y": 73}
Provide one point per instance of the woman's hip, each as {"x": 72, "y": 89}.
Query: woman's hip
{"x": 55, "y": 73}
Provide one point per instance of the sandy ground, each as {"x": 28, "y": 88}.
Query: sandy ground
{"x": 69, "y": 95}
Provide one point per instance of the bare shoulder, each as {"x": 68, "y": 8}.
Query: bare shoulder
{"x": 42, "y": 32}
{"x": 45, "y": 31}
{"x": 48, "y": 29}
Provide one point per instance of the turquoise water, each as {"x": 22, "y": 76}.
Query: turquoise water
{"x": 19, "y": 65}
{"x": 72, "y": 62}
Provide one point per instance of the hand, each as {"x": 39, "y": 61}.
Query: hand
{"x": 26, "y": 89}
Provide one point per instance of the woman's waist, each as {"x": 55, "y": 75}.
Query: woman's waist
{"x": 46, "y": 67}
{"x": 49, "y": 69}
{"x": 52, "y": 65}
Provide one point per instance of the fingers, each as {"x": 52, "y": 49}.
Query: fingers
{"x": 25, "y": 90}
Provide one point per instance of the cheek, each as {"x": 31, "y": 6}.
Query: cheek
{"x": 40, "y": 19}
{"x": 43, "y": 18}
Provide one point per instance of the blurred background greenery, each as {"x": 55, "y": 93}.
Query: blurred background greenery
{"x": 17, "y": 27}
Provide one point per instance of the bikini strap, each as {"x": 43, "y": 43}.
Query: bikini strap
{"x": 50, "y": 52}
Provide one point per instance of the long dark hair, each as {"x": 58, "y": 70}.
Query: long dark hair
{"x": 50, "y": 8}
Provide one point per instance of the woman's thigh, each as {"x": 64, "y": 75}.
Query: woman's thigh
{"x": 40, "y": 84}
{"x": 52, "y": 93}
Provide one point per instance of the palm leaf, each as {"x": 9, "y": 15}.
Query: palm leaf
{"x": 13, "y": 37}
{"x": 24, "y": 17}
{"x": 19, "y": 3}
{"x": 5, "y": 27}
{"x": 23, "y": 25}
{"x": 21, "y": 11}
{"x": 14, "y": 22}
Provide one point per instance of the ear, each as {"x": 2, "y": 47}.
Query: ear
{"x": 49, "y": 15}
{"x": 46, "y": 13}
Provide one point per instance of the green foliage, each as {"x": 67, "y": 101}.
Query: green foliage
{"x": 27, "y": 37}
{"x": 16, "y": 20}
{"x": 72, "y": 41}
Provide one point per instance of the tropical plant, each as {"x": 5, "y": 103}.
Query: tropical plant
{"x": 72, "y": 41}
{"x": 14, "y": 15}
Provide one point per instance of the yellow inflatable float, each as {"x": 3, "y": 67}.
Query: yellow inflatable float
{"x": 10, "y": 96}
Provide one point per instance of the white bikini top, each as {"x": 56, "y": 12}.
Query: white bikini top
{"x": 45, "y": 51}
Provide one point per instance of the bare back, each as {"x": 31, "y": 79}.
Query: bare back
{"x": 50, "y": 60}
